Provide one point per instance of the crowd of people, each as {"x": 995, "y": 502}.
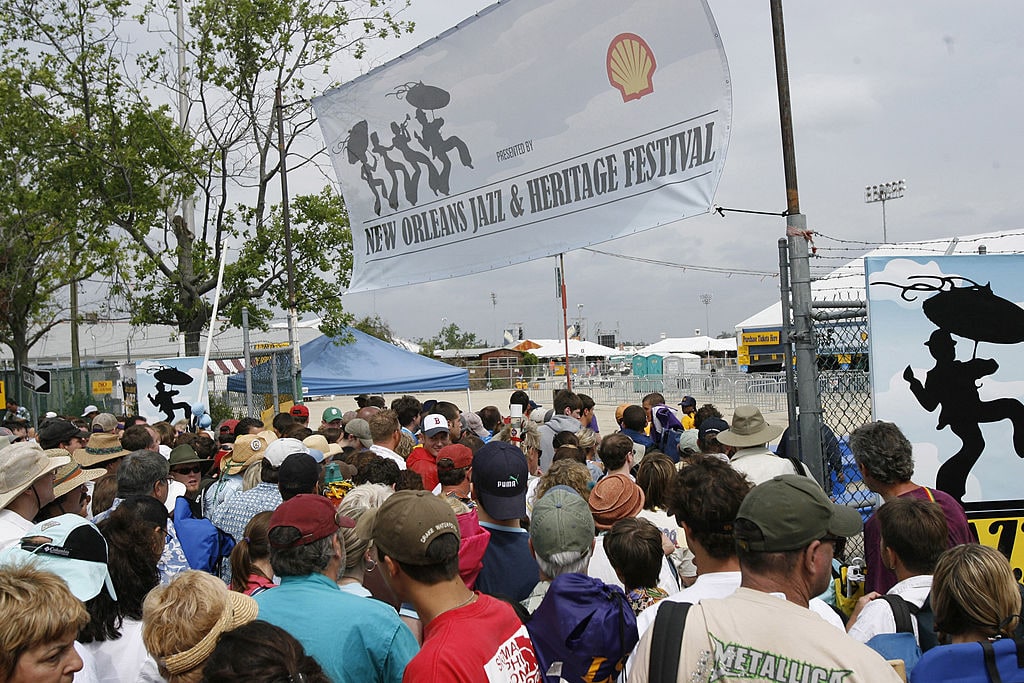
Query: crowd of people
{"x": 421, "y": 542}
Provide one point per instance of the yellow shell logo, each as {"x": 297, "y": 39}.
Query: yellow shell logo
{"x": 631, "y": 66}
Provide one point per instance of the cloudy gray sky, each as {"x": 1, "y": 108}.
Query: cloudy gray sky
{"x": 929, "y": 92}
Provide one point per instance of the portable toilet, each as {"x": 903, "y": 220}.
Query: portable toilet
{"x": 640, "y": 374}
{"x": 672, "y": 366}
{"x": 655, "y": 370}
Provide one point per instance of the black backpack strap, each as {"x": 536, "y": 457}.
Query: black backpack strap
{"x": 900, "y": 611}
{"x": 666, "y": 641}
{"x": 989, "y": 654}
{"x": 798, "y": 467}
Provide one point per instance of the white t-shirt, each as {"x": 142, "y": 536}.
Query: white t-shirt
{"x": 385, "y": 452}
{"x": 713, "y": 585}
{"x": 719, "y": 585}
{"x": 124, "y": 660}
{"x": 752, "y": 635}
{"x": 88, "y": 674}
{"x": 682, "y": 557}
{"x": 12, "y": 528}
{"x": 877, "y": 617}
{"x": 601, "y": 568}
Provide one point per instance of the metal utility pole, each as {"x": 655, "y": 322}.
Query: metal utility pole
{"x": 76, "y": 359}
{"x": 565, "y": 318}
{"x": 286, "y": 221}
{"x": 706, "y": 300}
{"x": 800, "y": 271}
{"x": 883, "y": 193}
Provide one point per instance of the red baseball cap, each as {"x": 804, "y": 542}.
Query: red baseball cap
{"x": 299, "y": 410}
{"x": 314, "y": 516}
{"x": 461, "y": 456}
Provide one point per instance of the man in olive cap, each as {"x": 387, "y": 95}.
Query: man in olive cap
{"x": 787, "y": 533}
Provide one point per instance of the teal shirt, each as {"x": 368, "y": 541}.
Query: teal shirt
{"x": 355, "y": 639}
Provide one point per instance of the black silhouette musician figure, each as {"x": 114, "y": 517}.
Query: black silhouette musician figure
{"x": 164, "y": 400}
{"x": 952, "y": 386}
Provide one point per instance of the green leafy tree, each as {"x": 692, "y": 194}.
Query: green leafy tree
{"x": 375, "y": 326}
{"x": 88, "y": 158}
{"x": 451, "y": 336}
{"x": 239, "y": 55}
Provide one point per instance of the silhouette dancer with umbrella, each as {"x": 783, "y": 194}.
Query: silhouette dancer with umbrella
{"x": 972, "y": 312}
{"x": 164, "y": 398}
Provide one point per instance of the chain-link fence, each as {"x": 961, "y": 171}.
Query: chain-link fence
{"x": 845, "y": 392}
{"x": 71, "y": 390}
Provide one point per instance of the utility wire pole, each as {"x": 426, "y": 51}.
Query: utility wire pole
{"x": 286, "y": 222}
{"x": 800, "y": 271}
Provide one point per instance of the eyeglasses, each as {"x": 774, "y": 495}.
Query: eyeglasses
{"x": 194, "y": 469}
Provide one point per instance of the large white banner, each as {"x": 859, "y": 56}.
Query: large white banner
{"x": 533, "y": 128}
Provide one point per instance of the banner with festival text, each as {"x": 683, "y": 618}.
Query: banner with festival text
{"x": 530, "y": 129}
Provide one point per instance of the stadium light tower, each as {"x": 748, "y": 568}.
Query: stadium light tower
{"x": 883, "y": 193}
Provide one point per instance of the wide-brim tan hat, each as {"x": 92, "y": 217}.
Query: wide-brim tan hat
{"x": 102, "y": 447}
{"x": 248, "y": 450}
{"x": 21, "y": 464}
{"x": 749, "y": 429}
{"x": 71, "y": 476}
{"x": 319, "y": 442}
{"x": 240, "y": 610}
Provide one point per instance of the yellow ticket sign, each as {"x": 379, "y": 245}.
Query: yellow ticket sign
{"x": 760, "y": 338}
{"x": 3, "y": 393}
{"x": 1004, "y": 532}
{"x": 743, "y": 355}
{"x": 103, "y": 386}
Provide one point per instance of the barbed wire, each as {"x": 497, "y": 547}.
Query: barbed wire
{"x": 686, "y": 266}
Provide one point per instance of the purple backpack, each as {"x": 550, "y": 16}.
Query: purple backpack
{"x": 583, "y": 630}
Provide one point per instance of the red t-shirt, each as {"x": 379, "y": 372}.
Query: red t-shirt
{"x": 483, "y": 642}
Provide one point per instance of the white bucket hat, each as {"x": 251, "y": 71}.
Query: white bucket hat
{"x": 20, "y": 465}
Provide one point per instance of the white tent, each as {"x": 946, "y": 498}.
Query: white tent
{"x": 696, "y": 345}
{"x": 555, "y": 348}
{"x": 846, "y": 283}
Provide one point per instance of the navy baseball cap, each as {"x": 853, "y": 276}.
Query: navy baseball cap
{"x": 499, "y": 480}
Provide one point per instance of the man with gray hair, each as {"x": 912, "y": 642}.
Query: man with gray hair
{"x": 886, "y": 462}
{"x": 561, "y": 538}
{"x": 144, "y": 473}
{"x": 354, "y": 639}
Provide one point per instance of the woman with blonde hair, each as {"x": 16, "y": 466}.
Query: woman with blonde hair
{"x": 565, "y": 472}
{"x": 39, "y": 620}
{"x": 588, "y": 443}
{"x": 354, "y": 505}
{"x": 974, "y": 595}
{"x": 182, "y": 621}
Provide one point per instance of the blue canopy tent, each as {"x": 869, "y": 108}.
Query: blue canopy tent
{"x": 365, "y": 365}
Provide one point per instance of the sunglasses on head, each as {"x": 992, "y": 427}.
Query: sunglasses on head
{"x": 187, "y": 469}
